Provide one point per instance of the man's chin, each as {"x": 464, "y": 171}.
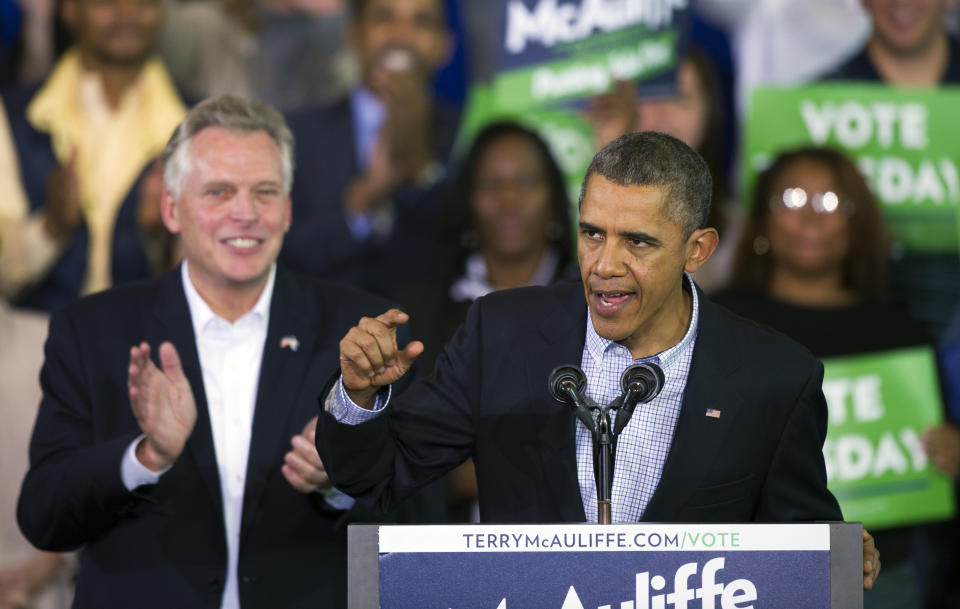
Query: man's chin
{"x": 125, "y": 58}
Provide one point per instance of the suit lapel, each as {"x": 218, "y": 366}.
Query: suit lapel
{"x": 698, "y": 437}
{"x": 283, "y": 373}
{"x": 563, "y": 332}
{"x": 174, "y": 324}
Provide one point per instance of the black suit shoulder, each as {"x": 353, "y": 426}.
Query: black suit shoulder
{"x": 762, "y": 337}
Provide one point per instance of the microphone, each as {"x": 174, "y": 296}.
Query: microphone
{"x": 567, "y": 385}
{"x": 640, "y": 383}
{"x": 645, "y": 379}
{"x": 566, "y": 379}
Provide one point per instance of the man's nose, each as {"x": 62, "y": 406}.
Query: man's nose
{"x": 243, "y": 208}
{"x": 610, "y": 260}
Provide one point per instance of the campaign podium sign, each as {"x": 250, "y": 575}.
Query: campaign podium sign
{"x": 621, "y": 566}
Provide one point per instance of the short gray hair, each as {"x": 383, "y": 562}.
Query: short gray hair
{"x": 649, "y": 158}
{"x": 233, "y": 114}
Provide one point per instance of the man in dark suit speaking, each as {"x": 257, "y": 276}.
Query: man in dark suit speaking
{"x": 195, "y": 482}
{"x": 735, "y": 435}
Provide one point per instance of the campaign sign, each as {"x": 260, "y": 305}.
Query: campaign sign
{"x": 879, "y": 405}
{"x": 549, "y": 51}
{"x": 605, "y": 566}
{"x": 534, "y": 61}
{"x": 904, "y": 140}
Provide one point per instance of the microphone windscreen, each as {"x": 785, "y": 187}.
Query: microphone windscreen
{"x": 647, "y": 377}
{"x": 566, "y": 374}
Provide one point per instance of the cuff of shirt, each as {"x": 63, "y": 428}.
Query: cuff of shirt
{"x": 133, "y": 473}
{"x": 337, "y": 499}
{"x": 345, "y": 411}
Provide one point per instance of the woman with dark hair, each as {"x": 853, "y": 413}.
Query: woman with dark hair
{"x": 508, "y": 225}
{"x": 815, "y": 235}
{"x": 509, "y": 215}
{"x": 810, "y": 264}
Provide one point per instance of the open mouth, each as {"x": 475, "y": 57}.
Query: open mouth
{"x": 608, "y": 303}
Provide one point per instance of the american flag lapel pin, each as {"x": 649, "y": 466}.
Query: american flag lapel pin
{"x": 713, "y": 413}
{"x": 290, "y": 342}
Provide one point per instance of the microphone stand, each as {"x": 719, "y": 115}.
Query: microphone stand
{"x": 567, "y": 384}
{"x": 603, "y": 449}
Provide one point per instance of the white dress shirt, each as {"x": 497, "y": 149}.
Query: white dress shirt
{"x": 230, "y": 357}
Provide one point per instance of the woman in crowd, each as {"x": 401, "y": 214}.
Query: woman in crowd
{"x": 508, "y": 226}
{"x": 811, "y": 265}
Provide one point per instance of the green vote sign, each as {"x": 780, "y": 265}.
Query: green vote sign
{"x": 906, "y": 142}
{"x": 879, "y": 405}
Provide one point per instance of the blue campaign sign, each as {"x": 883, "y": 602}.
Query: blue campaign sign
{"x": 591, "y": 580}
{"x": 538, "y": 31}
{"x": 680, "y": 567}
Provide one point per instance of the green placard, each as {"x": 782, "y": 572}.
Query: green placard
{"x": 880, "y": 404}
{"x": 569, "y": 137}
{"x": 906, "y": 141}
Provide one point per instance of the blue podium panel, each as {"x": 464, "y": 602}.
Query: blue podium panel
{"x": 605, "y": 567}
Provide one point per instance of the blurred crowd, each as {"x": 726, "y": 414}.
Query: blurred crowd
{"x": 383, "y": 198}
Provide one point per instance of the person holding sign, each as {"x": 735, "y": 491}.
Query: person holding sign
{"x": 735, "y": 434}
{"x": 694, "y": 115}
{"x": 910, "y": 47}
{"x": 810, "y": 265}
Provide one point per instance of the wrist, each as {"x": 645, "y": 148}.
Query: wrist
{"x": 364, "y": 398}
{"x": 56, "y": 229}
{"x": 365, "y": 194}
{"x": 430, "y": 174}
{"x": 150, "y": 458}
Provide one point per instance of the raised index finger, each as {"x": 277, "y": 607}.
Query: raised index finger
{"x": 393, "y": 318}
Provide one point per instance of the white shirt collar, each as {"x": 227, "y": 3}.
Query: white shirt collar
{"x": 200, "y": 312}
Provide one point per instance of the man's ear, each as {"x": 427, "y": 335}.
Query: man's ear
{"x": 170, "y": 212}
{"x": 700, "y": 246}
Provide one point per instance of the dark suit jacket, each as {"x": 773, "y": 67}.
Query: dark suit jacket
{"x": 164, "y": 545}
{"x": 319, "y": 241}
{"x": 761, "y": 460}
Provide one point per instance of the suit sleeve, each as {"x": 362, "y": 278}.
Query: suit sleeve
{"x": 73, "y": 491}
{"x": 426, "y": 430}
{"x": 796, "y": 486}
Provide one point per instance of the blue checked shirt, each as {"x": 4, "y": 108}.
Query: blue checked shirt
{"x": 643, "y": 444}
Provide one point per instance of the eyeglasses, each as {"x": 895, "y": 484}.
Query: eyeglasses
{"x": 828, "y": 202}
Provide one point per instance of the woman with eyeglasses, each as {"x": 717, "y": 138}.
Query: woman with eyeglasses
{"x": 811, "y": 265}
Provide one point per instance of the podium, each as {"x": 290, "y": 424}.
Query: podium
{"x": 620, "y": 566}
